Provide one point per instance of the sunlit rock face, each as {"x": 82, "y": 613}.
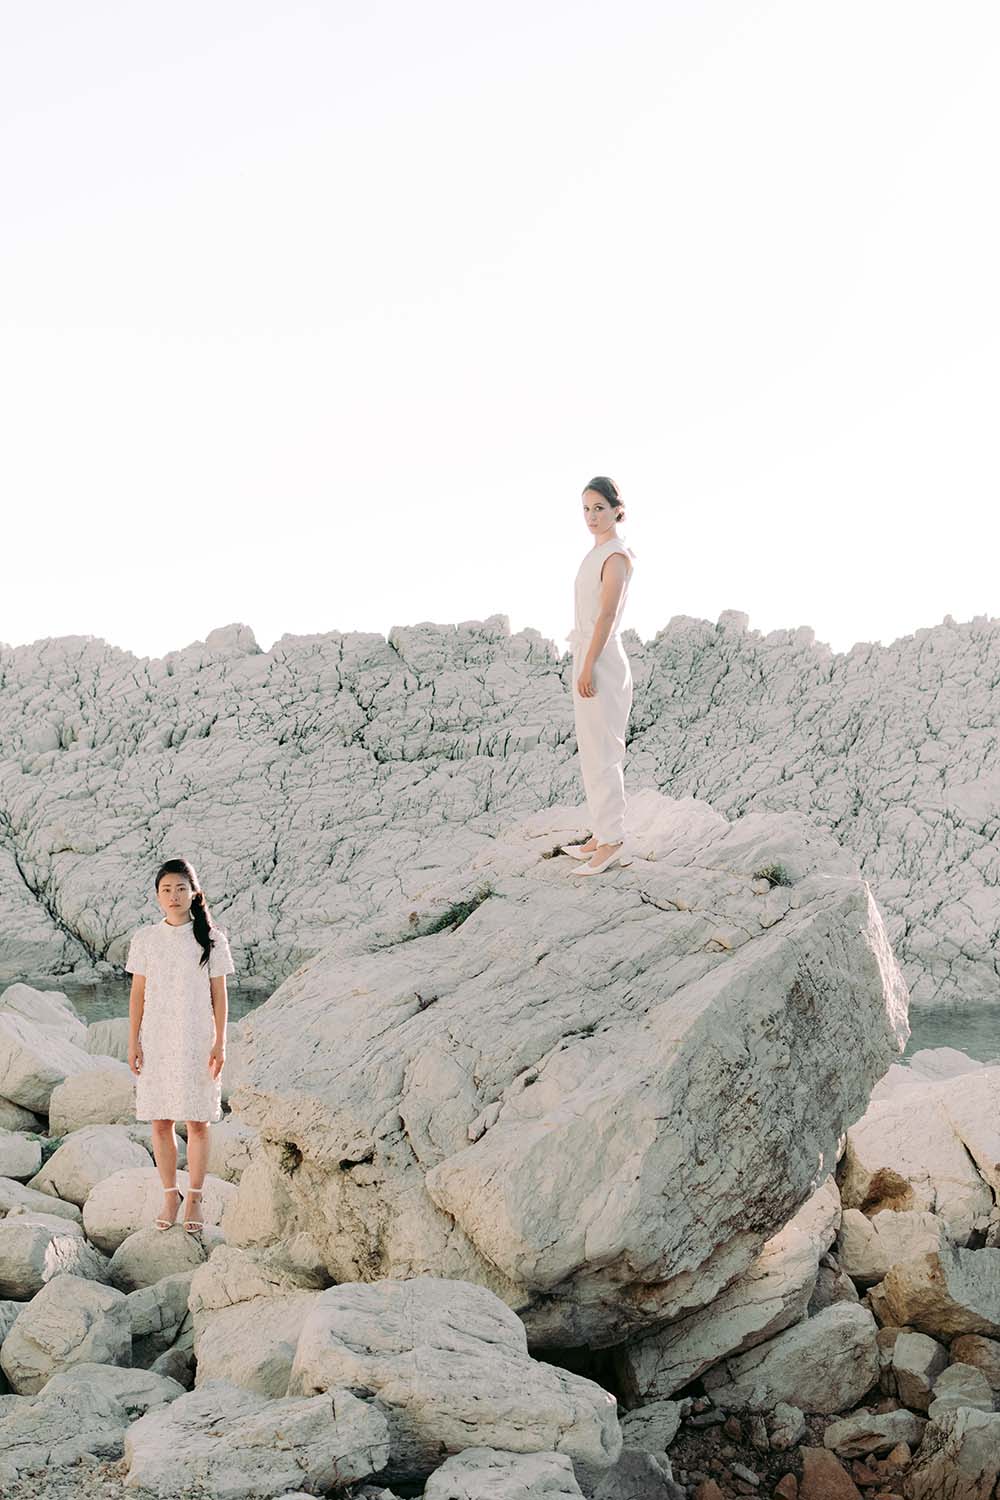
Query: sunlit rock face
{"x": 314, "y": 783}
{"x": 597, "y": 1097}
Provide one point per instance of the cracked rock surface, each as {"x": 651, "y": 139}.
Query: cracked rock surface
{"x": 324, "y": 777}
{"x": 567, "y": 1090}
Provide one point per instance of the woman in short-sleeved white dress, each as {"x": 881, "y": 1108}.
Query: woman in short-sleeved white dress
{"x": 178, "y": 1026}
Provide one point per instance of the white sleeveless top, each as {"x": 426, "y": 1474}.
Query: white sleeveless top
{"x": 587, "y": 594}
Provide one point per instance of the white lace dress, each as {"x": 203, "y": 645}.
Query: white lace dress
{"x": 178, "y": 1027}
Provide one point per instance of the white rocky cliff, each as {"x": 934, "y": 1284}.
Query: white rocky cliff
{"x": 307, "y": 780}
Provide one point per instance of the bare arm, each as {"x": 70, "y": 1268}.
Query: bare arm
{"x": 136, "y": 1006}
{"x": 220, "y": 1011}
{"x": 614, "y": 575}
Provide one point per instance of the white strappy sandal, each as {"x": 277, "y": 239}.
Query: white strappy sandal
{"x": 194, "y": 1226}
{"x": 163, "y": 1224}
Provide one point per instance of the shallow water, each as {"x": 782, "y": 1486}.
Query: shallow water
{"x": 975, "y": 1031}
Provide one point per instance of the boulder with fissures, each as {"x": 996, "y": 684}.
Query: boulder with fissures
{"x": 487, "y": 1474}
{"x": 85, "y": 1158}
{"x": 70, "y": 1321}
{"x": 770, "y": 1295}
{"x": 49, "y": 1008}
{"x": 338, "y": 768}
{"x": 137, "y": 1391}
{"x": 450, "y": 1367}
{"x": 17, "y": 1197}
{"x": 943, "y": 1293}
{"x": 103, "y": 1096}
{"x": 824, "y": 1364}
{"x": 35, "y": 1058}
{"x": 35, "y": 1248}
{"x": 156, "y": 1314}
{"x": 868, "y": 1246}
{"x": 959, "y": 1458}
{"x": 564, "y": 1089}
{"x": 58, "y": 1428}
{"x": 240, "y": 1446}
{"x": 20, "y": 1156}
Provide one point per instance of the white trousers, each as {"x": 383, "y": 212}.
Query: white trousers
{"x": 600, "y": 738}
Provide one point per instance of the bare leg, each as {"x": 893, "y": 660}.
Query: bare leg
{"x": 165, "y": 1156}
{"x": 197, "y": 1149}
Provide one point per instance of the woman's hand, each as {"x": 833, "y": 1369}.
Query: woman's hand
{"x": 135, "y": 1058}
{"x": 585, "y": 682}
{"x": 217, "y": 1059}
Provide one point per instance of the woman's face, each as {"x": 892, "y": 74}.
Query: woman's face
{"x": 174, "y": 895}
{"x": 597, "y": 513}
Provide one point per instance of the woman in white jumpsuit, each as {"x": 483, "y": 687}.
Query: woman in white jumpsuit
{"x": 602, "y": 678}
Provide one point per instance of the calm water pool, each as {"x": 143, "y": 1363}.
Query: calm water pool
{"x": 101, "y": 1001}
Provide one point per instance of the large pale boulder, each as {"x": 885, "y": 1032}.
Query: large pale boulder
{"x": 944, "y": 1293}
{"x": 136, "y": 1391}
{"x": 108, "y": 1038}
{"x": 654, "y": 1426}
{"x": 84, "y": 1159}
{"x": 823, "y": 1364}
{"x": 104, "y": 1095}
{"x": 449, "y": 1363}
{"x": 70, "y": 1321}
{"x": 230, "y": 1145}
{"x": 51, "y": 1009}
{"x": 959, "y": 1458}
{"x": 50, "y": 1431}
{"x": 873, "y": 1432}
{"x": 960, "y": 1385}
{"x": 567, "y": 1095}
{"x": 131, "y": 1198}
{"x": 974, "y": 1349}
{"x": 241, "y": 1446}
{"x": 486, "y": 1474}
{"x": 773, "y": 1293}
{"x": 972, "y": 1104}
{"x": 17, "y": 1197}
{"x": 917, "y": 1361}
{"x": 35, "y": 1248}
{"x": 905, "y": 1154}
{"x": 34, "y": 1059}
{"x": 868, "y": 1246}
{"x": 16, "y": 1117}
{"x": 149, "y": 1254}
{"x": 20, "y": 1156}
{"x": 156, "y": 1314}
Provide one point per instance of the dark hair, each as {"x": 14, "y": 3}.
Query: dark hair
{"x": 606, "y": 487}
{"x": 199, "y": 906}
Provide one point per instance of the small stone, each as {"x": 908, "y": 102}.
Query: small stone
{"x": 733, "y": 1428}
{"x": 758, "y": 1434}
{"x": 747, "y": 1475}
{"x": 825, "y": 1478}
{"x": 708, "y": 1490}
{"x": 787, "y": 1488}
{"x": 863, "y": 1475}
{"x": 898, "y": 1458}
{"x": 706, "y": 1418}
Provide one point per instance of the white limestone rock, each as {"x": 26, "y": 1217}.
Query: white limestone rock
{"x": 16, "y": 1197}
{"x": 70, "y": 1321}
{"x": 824, "y": 1364}
{"x": 917, "y": 1361}
{"x": 156, "y": 1314}
{"x": 57, "y": 1429}
{"x": 241, "y": 1446}
{"x": 486, "y": 1474}
{"x": 20, "y": 1157}
{"x": 944, "y": 1293}
{"x": 868, "y": 1247}
{"x": 51, "y": 1009}
{"x": 105, "y": 1095}
{"x": 904, "y": 1154}
{"x": 35, "y": 1058}
{"x": 972, "y": 1104}
{"x": 148, "y": 1255}
{"x": 449, "y": 1364}
{"x": 866, "y": 1432}
{"x": 136, "y": 1391}
{"x": 974, "y": 1349}
{"x": 654, "y": 1426}
{"x": 84, "y": 1159}
{"x": 940, "y": 1063}
{"x": 230, "y": 1146}
{"x": 786, "y": 1427}
{"x": 429, "y": 1103}
{"x": 16, "y": 1117}
{"x": 108, "y": 1038}
{"x": 960, "y": 1385}
{"x": 959, "y": 1458}
{"x": 772, "y": 1294}
{"x": 131, "y": 1198}
{"x": 35, "y": 1248}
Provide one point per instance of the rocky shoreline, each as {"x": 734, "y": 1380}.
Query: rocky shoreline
{"x": 525, "y": 1191}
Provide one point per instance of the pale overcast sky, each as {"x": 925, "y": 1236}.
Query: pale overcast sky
{"x": 319, "y": 316}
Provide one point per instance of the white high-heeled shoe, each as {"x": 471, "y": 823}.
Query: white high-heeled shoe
{"x": 577, "y": 851}
{"x": 617, "y": 856}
